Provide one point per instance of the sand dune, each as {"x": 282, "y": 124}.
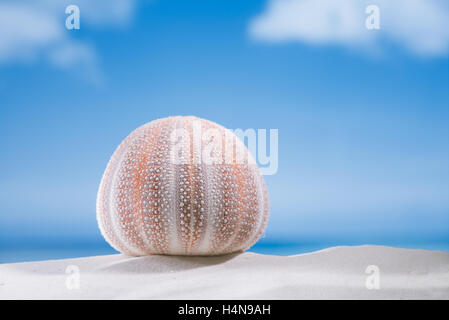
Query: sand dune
{"x": 334, "y": 273}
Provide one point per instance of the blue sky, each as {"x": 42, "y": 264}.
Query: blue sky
{"x": 363, "y": 117}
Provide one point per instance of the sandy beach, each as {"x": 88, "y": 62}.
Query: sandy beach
{"x": 362, "y": 272}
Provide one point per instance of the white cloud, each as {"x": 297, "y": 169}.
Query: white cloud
{"x": 35, "y": 29}
{"x": 421, "y": 26}
{"x": 23, "y": 31}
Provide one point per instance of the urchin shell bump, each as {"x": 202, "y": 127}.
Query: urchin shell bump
{"x": 169, "y": 190}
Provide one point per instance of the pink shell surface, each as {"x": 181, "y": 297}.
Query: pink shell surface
{"x": 148, "y": 203}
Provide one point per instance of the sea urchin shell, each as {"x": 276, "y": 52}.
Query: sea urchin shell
{"x": 182, "y": 186}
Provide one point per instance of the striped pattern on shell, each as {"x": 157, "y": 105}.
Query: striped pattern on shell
{"x": 148, "y": 203}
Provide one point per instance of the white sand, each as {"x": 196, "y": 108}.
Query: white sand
{"x": 335, "y": 273}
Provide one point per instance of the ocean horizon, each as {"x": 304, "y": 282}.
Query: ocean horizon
{"x": 27, "y": 254}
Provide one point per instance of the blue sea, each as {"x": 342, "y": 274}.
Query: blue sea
{"x": 65, "y": 251}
